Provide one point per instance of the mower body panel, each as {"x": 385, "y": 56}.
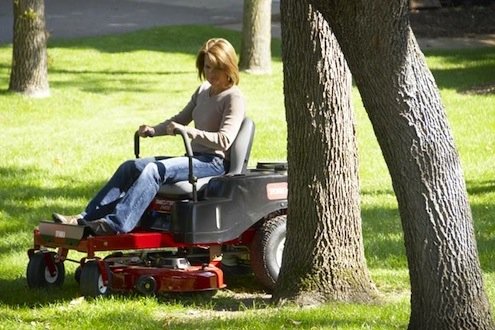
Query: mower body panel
{"x": 231, "y": 205}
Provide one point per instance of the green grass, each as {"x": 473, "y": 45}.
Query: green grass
{"x": 56, "y": 152}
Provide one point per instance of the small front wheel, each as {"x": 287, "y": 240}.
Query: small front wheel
{"x": 77, "y": 274}
{"x": 38, "y": 272}
{"x": 91, "y": 280}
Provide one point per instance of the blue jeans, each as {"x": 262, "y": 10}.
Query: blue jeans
{"x": 125, "y": 197}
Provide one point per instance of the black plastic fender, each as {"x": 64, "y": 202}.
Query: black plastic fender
{"x": 232, "y": 204}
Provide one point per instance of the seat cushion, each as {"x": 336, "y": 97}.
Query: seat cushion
{"x": 182, "y": 188}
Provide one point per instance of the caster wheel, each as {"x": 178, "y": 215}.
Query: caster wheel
{"x": 77, "y": 274}
{"x": 38, "y": 272}
{"x": 91, "y": 282}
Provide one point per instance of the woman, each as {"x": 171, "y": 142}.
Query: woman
{"x": 217, "y": 109}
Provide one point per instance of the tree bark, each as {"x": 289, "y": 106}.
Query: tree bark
{"x": 409, "y": 120}
{"x": 323, "y": 254}
{"x": 255, "y": 55}
{"x": 29, "y": 74}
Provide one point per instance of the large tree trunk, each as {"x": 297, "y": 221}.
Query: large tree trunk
{"x": 404, "y": 106}
{"x": 323, "y": 255}
{"x": 29, "y": 73}
{"x": 255, "y": 55}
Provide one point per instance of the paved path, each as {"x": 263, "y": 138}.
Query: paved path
{"x": 77, "y": 18}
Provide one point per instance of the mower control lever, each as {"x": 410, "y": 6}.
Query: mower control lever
{"x": 136, "y": 144}
{"x": 189, "y": 153}
{"x": 187, "y": 141}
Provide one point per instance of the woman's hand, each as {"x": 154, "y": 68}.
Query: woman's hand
{"x": 170, "y": 129}
{"x": 146, "y": 131}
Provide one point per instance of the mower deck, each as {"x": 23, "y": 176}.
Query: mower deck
{"x": 124, "y": 272}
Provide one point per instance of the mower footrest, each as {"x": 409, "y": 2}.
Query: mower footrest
{"x": 57, "y": 233}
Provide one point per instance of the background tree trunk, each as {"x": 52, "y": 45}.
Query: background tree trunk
{"x": 323, "y": 256}
{"x": 403, "y": 103}
{"x": 29, "y": 73}
{"x": 255, "y": 55}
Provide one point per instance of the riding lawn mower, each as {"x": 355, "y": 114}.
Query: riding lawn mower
{"x": 190, "y": 232}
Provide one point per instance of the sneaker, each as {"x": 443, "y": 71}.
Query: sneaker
{"x": 66, "y": 219}
{"x": 100, "y": 227}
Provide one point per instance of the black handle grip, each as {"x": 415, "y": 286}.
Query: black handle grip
{"x": 136, "y": 144}
{"x": 187, "y": 142}
{"x": 189, "y": 154}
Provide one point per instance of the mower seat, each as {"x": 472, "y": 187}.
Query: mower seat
{"x": 239, "y": 157}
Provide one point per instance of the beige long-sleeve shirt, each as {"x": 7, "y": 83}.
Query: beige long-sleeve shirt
{"x": 217, "y": 119}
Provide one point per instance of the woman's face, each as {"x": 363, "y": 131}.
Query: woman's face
{"x": 216, "y": 77}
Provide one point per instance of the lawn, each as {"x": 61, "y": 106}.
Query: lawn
{"x": 57, "y": 151}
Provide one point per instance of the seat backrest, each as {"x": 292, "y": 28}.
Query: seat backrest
{"x": 241, "y": 148}
{"x": 239, "y": 157}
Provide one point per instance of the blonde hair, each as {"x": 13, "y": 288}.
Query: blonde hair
{"x": 222, "y": 55}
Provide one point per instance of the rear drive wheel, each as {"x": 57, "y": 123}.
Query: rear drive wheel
{"x": 38, "y": 273}
{"x": 266, "y": 250}
{"x": 91, "y": 281}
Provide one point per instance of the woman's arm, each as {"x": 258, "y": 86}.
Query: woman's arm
{"x": 230, "y": 123}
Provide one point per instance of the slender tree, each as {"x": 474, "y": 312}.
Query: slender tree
{"x": 323, "y": 256}
{"x": 255, "y": 55}
{"x": 409, "y": 120}
{"x": 29, "y": 74}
